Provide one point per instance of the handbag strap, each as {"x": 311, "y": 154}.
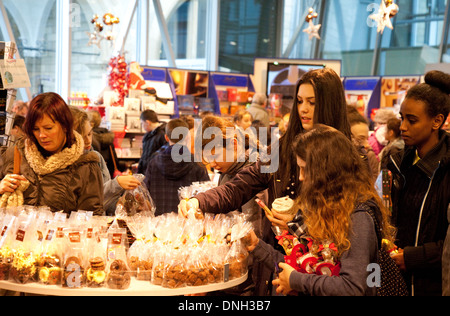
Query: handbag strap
{"x": 112, "y": 157}
{"x": 365, "y": 208}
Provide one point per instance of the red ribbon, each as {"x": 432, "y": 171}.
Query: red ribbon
{"x": 284, "y": 235}
{"x": 331, "y": 246}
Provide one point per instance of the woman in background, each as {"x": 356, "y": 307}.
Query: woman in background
{"x": 113, "y": 189}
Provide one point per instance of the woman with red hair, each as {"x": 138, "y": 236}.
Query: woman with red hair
{"x": 52, "y": 155}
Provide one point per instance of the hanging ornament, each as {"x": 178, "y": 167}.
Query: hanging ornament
{"x": 110, "y": 19}
{"x": 96, "y": 37}
{"x": 388, "y": 9}
{"x": 312, "y": 29}
{"x": 118, "y": 78}
{"x": 311, "y": 15}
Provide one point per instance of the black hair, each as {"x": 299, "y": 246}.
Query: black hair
{"x": 172, "y": 125}
{"x": 330, "y": 110}
{"x": 19, "y": 121}
{"x": 434, "y": 93}
{"x": 149, "y": 115}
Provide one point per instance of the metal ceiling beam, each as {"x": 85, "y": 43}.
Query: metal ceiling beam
{"x": 297, "y": 33}
{"x": 445, "y": 33}
{"x": 143, "y": 28}
{"x": 119, "y": 46}
{"x": 170, "y": 55}
{"x": 63, "y": 49}
{"x": 212, "y": 35}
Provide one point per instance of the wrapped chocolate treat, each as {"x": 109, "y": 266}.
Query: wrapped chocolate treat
{"x": 237, "y": 257}
{"x": 23, "y": 268}
{"x": 95, "y": 273}
{"x": 24, "y": 264}
{"x": 119, "y": 276}
{"x": 137, "y": 200}
{"x": 74, "y": 258}
{"x": 175, "y": 272}
{"x": 216, "y": 254}
{"x": 6, "y": 258}
{"x": 138, "y": 254}
{"x": 50, "y": 254}
{"x": 6, "y": 253}
{"x": 161, "y": 261}
{"x": 197, "y": 269}
{"x": 49, "y": 269}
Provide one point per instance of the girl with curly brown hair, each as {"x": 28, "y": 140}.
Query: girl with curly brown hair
{"x": 335, "y": 191}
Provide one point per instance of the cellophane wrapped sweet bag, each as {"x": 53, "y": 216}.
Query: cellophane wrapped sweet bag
{"x": 50, "y": 265}
{"x": 160, "y": 261}
{"x": 137, "y": 200}
{"x": 24, "y": 265}
{"x": 215, "y": 258}
{"x": 237, "y": 257}
{"x": 198, "y": 270}
{"x": 175, "y": 272}
{"x": 119, "y": 275}
{"x": 95, "y": 251}
{"x": 134, "y": 202}
{"x": 138, "y": 254}
{"x": 74, "y": 258}
{"x": 6, "y": 254}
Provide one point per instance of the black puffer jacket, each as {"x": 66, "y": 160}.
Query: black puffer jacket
{"x": 421, "y": 195}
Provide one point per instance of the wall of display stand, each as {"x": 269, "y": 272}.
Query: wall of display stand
{"x": 368, "y": 94}
{"x": 171, "y": 93}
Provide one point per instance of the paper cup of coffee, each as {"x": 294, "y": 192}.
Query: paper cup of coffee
{"x": 284, "y": 205}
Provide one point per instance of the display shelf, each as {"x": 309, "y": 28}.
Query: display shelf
{"x": 137, "y": 288}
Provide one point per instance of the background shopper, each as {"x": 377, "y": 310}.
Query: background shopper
{"x": 114, "y": 188}
{"x": 154, "y": 138}
{"x": 164, "y": 176}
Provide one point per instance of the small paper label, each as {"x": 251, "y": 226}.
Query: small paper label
{"x": 4, "y": 231}
{"x": 50, "y": 235}
{"x": 75, "y": 237}
{"x": 117, "y": 239}
{"x": 20, "y": 235}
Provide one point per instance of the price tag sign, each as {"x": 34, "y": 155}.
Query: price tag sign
{"x": 14, "y": 74}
